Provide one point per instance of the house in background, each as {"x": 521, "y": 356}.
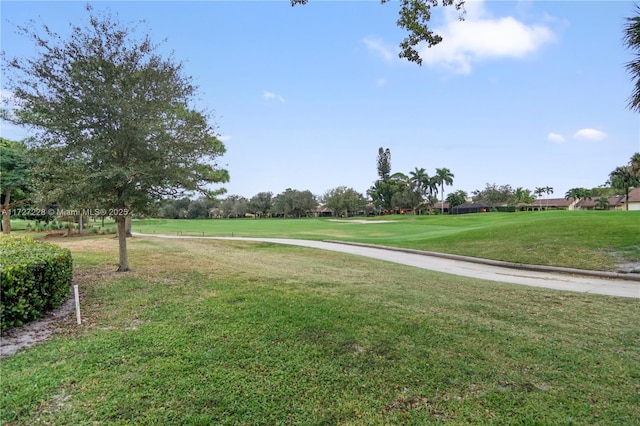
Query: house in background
{"x": 471, "y": 208}
{"x": 616, "y": 202}
{"x": 549, "y": 204}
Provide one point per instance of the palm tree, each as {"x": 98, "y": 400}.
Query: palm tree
{"x": 420, "y": 179}
{"x": 635, "y": 164}
{"x": 548, "y": 190}
{"x": 539, "y": 191}
{"x": 631, "y": 38}
{"x": 578, "y": 194}
{"x": 522, "y": 196}
{"x": 623, "y": 178}
{"x": 443, "y": 177}
{"x": 602, "y": 203}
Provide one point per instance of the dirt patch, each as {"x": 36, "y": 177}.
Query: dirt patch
{"x": 628, "y": 267}
{"x": 17, "y": 338}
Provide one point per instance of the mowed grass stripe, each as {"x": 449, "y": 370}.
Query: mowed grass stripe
{"x": 220, "y": 332}
{"x": 607, "y": 240}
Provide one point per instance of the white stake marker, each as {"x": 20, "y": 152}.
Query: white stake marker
{"x": 76, "y": 295}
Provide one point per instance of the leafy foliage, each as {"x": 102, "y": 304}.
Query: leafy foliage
{"x": 15, "y": 178}
{"x": 344, "y": 201}
{"x": 294, "y": 203}
{"x": 414, "y": 16}
{"x": 384, "y": 163}
{"x": 495, "y": 195}
{"x": 35, "y": 277}
{"x": 456, "y": 198}
{"x": 260, "y": 204}
{"x": 443, "y": 177}
{"x": 626, "y": 177}
{"x": 632, "y": 40}
{"x": 114, "y": 118}
{"x": 578, "y": 194}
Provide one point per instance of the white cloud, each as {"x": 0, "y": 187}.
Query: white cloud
{"x": 379, "y": 48}
{"x": 480, "y": 37}
{"x": 590, "y": 135}
{"x": 381, "y": 82}
{"x": 554, "y": 137}
{"x": 269, "y": 96}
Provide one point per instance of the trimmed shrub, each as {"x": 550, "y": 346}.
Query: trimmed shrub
{"x": 34, "y": 277}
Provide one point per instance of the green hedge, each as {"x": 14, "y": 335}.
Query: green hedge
{"x": 34, "y": 277}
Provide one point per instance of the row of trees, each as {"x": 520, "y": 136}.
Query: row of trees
{"x": 416, "y": 191}
{"x": 621, "y": 180}
{"x": 290, "y": 203}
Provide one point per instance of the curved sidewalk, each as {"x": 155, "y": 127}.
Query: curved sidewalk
{"x": 564, "y": 279}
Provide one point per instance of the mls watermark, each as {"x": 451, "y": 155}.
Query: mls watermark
{"x": 70, "y": 212}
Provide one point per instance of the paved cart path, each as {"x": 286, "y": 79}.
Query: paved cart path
{"x": 553, "y": 280}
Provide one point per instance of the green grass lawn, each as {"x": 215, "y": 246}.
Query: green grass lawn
{"x": 226, "y": 332}
{"x": 578, "y": 239}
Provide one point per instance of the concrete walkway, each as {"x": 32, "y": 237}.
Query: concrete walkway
{"x": 564, "y": 279}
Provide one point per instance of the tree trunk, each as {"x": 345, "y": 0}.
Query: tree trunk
{"x": 80, "y": 224}
{"x": 127, "y": 221}
{"x": 123, "y": 261}
{"x": 6, "y": 213}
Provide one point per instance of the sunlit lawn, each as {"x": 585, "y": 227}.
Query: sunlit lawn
{"x": 219, "y": 332}
{"x": 596, "y": 240}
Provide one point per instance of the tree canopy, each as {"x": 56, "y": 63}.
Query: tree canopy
{"x": 15, "y": 178}
{"x": 631, "y": 37}
{"x": 626, "y": 177}
{"x": 344, "y": 201}
{"x": 114, "y": 117}
{"x": 414, "y": 17}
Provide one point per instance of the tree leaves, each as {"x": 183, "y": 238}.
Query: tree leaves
{"x": 414, "y": 16}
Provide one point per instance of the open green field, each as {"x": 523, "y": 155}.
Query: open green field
{"x": 607, "y": 240}
{"x": 231, "y": 333}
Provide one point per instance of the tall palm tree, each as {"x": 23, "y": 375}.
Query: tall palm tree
{"x": 548, "y": 190}
{"x": 623, "y": 178}
{"x": 420, "y": 179}
{"x": 443, "y": 177}
{"x": 635, "y": 164}
{"x": 631, "y": 38}
{"x": 539, "y": 191}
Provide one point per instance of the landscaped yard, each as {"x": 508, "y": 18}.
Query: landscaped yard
{"x": 222, "y": 332}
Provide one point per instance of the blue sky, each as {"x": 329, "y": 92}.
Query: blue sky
{"x": 526, "y": 93}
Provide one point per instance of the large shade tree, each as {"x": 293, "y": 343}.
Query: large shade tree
{"x": 294, "y": 203}
{"x": 114, "y": 117}
{"x": 260, "y": 204}
{"x": 344, "y": 201}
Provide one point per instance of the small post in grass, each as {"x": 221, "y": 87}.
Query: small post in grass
{"x": 76, "y": 296}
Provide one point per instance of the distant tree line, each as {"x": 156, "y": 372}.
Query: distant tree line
{"x": 416, "y": 192}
